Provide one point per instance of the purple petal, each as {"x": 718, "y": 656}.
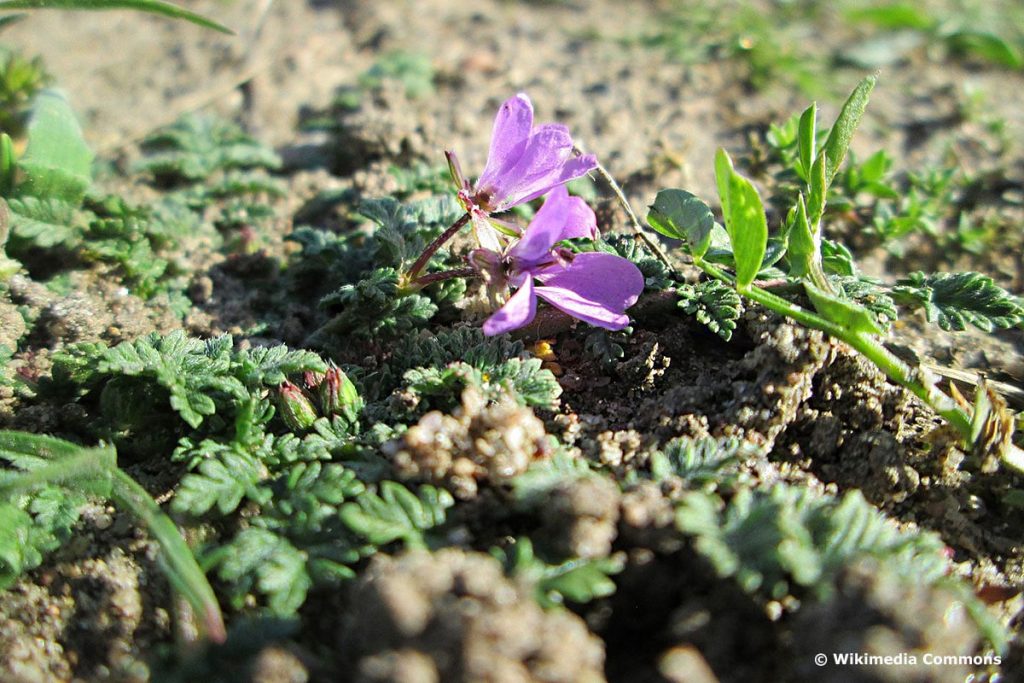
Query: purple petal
{"x": 561, "y": 217}
{"x": 508, "y": 138}
{"x": 528, "y": 188}
{"x": 547, "y": 148}
{"x": 519, "y": 310}
{"x": 596, "y": 288}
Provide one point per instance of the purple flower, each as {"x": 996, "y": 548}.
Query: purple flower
{"x": 524, "y": 162}
{"x": 594, "y": 287}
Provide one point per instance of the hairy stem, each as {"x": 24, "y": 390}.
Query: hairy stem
{"x": 651, "y": 242}
{"x": 432, "y": 248}
{"x": 431, "y": 278}
{"x": 917, "y": 380}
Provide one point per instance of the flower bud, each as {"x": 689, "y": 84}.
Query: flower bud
{"x": 297, "y": 410}
{"x": 312, "y": 379}
{"x": 337, "y": 393}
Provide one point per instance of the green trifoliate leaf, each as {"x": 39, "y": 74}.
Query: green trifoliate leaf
{"x": 682, "y": 216}
{"x": 955, "y": 299}
{"x": 714, "y": 304}
{"x": 843, "y": 312}
{"x": 745, "y": 219}
{"x": 842, "y": 132}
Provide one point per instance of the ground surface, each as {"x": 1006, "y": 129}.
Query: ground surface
{"x": 824, "y": 420}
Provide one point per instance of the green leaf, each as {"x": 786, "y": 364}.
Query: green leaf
{"x": 44, "y": 222}
{"x": 801, "y": 247}
{"x": 222, "y": 481}
{"x": 262, "y": 560}
{"x": 954, "y": 300}
{"x": 57, "y": 162}
{"x": 806, "y": 143}
{"x": 152, "y": 6}
{"x": 714, "y": 304}
{"x": 817, "y": 191}
{"x": 7, "y": 168}
{"x": 843, "y": 312}
{"x": 396, "y": 513}
{"x": 745, "y": 219}
{"x": 846, "y": 124}
{"x": 682, "y": 216}
{"x": 577, "y": 580}
{"x": 707, "y": 461}
{"x": 987, "y": 46}
{"x": 893, "y": 15}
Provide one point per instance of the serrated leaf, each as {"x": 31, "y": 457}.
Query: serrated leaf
{"x": 681, "y": 215}
{"x": 744, "y": 217}
{"x": 396, "y": 514}
{"x": 220, "y": 481}
{"x": 714, "y": 304}
{"x": 700, "y": 462}
{"x": 954, "y": 300}
{"x": 151, "y": 6}
{"x": 262, "y": 560}
{"x": 44, "y": 222}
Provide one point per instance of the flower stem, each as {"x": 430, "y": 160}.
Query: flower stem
{"x": 434, "y": 246}
{"x": 431, "y": 278}
{"x": 651, "y": 242}
{"x": 917, "y": 380}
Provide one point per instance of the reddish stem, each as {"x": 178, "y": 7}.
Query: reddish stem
{"x": 431, "y": 278}
{"x": 435, "y": 245}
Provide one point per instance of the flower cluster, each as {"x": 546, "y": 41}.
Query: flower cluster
{"x": 526, "y": 162}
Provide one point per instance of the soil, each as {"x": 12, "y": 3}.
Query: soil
{"x": 821, "y": 416}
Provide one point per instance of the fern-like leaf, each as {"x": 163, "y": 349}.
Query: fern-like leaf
{"x": 396, "y": 513}
{"x": 714, "y": 304}
{"x": 954, "y": 300}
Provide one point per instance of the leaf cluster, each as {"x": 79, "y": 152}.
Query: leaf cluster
{"x": 788, "y": 539}
{"x": 578, "y": 580}
{"x": 320, "y": 522}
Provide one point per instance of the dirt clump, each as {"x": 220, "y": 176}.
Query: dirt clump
{"x": 453, "y": 616}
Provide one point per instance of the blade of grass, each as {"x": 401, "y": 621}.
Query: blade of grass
{"x": 152, "y": 6}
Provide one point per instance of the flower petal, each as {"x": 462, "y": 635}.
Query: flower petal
{"x": 508, "y": 138}
{"x": 529, "y": 188}
{"x": 519, "y": 310}
{"x": 596, "y": 288}
{"x": 547, "y": 148}
{"x": 561, "y": 217}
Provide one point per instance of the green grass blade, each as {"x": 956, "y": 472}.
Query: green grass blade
{"x": 176, "y": 559}
{"x": 152, "y": 6}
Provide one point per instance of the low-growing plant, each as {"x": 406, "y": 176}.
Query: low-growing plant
{"x": 44, "y": 489}
{"x": 953, "y": 300}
